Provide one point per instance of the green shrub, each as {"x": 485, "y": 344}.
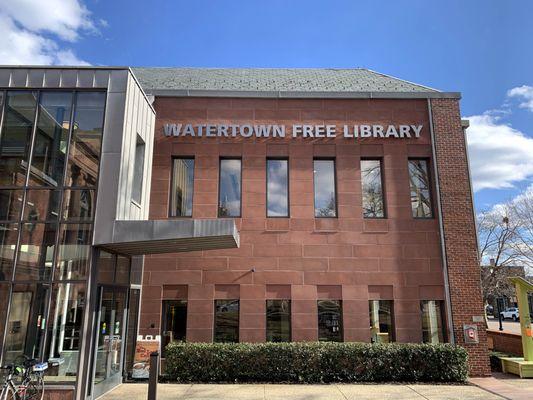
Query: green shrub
{"x": 315, "y": 362}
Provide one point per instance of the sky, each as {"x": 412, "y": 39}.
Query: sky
{"x": 481, "y": 48}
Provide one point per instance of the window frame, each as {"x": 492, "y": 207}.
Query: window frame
{"x": 219, "y": 187}
{"x": 215, "y": 320}
{"x": 442, "y": 312}
{"x": 430, "y": 187}
{"x": 341, "y": 320}
{"x": 334, "y": 186}
{"x": 288, "y": 187}
{"x": 383, "y": 189}
{"x": 171, "y": 188}
{"x": 139, "y": 142}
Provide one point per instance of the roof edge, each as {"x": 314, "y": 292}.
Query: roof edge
{"x": 302, "y": 95}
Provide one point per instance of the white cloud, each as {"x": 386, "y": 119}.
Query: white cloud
{"x": 31, "y": 31}
{"x": 499, "y": 154}
{"x": 525, "y": 94}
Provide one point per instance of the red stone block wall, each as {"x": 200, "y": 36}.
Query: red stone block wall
{"x": 459, "y": 230}
{"x": 302, "y": 258}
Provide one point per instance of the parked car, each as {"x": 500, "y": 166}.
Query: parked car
{"x": 511, "y": 312}
{"x": 489, "y": 309}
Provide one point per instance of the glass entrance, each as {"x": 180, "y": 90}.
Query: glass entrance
{"x": 110, "y": 339}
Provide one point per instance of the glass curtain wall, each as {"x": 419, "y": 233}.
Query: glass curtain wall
{"x": 50, "y": 144}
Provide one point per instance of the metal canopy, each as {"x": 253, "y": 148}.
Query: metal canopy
{"x": 172, "y": 236}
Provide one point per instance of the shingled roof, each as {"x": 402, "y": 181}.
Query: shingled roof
{"x": 282, "y": 82}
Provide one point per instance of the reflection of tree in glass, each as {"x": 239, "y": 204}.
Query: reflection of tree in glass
{"x": 420, "y": 191}
{"x": 329, "y": 209}
{"x": 372, "y": 189}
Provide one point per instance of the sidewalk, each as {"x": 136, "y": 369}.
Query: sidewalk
{"x": 138, "y": 391}
{"x": 508, "y": 386}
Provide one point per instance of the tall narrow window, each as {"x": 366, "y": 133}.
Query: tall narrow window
{"x": 372, "y": 185}
{"x": 138, "y": 171}
{"x": 229, "y": 186}
{"x": 182, "y": 187}
{"x": 329, "y": 320}
{"x": 51, "y": 137}
{"x": 173, "y": 322}
{"x": 432, "y": 327}
{"x": 15, "y": 137}
{"x": 226, "y": 321}
{"x": 420, "y": 188}
{"x": 278, "y": 323}
{"x": 277, "y": 188}
{"x": 325, "y": 192}
{"x": 381, "y": 321}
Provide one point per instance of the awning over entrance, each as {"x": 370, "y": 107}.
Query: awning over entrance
{"x": 172, "y": 236}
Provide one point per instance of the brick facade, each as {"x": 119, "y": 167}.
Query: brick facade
{"x": 305, "y": 258}
{"x": 459, "y": 229}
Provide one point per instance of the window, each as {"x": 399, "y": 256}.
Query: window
{"x": 325, "y": 192}
{"x": 277, "y": 188}
{"x": 229, "y": 186}
{"x": 36, "y": 251}
{"x": 381, "y": 321}
{"x": 329, "y": 320}
{"x": 8, "y": 242}
{"x": 74, "y": 251}
{"x": 372, "y": 185}
{"x": 64, "y": 329}
{"x": 51, "y": 138}
{"x": 138, "y": 171}
{"x": 226, "y": 321}
{"x": 86, "y": 139}
{"x": 10, "y": 205}
{"x": 420, "y": 188}
{"x": 173, "y": 322}
{"x": 278, "y": 320}
{"x": 15, "y": 137}
{"x": 432, "y": 327}
{"x": 182, "y": 187}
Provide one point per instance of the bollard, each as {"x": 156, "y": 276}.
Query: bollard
{"x": 154, "y": 373}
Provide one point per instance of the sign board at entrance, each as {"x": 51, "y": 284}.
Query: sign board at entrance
{"x": 296, "y": 131}
{"x": 141, "y": 360}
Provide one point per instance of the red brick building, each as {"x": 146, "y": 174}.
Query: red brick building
{"x": 351, "y": 194}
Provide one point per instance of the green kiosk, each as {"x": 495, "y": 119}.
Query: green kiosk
{"x": 522, "y": 366}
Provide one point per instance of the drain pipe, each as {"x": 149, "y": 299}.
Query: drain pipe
{"x": 441, "y": 228}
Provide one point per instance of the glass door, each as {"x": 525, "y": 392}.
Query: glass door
{"x": 110, "y": 339}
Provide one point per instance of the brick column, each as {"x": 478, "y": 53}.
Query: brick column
{"x": 459, "y": 230}
{"x": 200, "y": 313}
{"x": 355, "y": 318}
{"x": 252, "y": 323}
{"x": 304, "y": 313}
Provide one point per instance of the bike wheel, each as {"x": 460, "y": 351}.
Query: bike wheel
{"x": 35, "y": 388}
{"x": 8, "y": 393}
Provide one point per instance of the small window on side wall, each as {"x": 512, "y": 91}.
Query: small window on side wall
{"x": 420, "y": 184}
{"x": 381, "y": 321}
{"x": 229, "y": 188}
{"x": 138, "y": 171}
{"x": 182, "y": 187}
{"x": 277, "y": 188}
{"x": 372, "y": 186}
{"x": 325, "y": 190}
{"x": 432, "y": 321}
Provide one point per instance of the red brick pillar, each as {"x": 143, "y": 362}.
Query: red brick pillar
{"x": 304, "y": 313}
{"x": 200, "y": 313}
{"x": 252, "y": 324}
{"x": 459, "y": 230}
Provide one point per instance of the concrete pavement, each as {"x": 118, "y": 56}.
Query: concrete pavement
{"x": 138, "y": 391}
{"x": 508, "y": 325}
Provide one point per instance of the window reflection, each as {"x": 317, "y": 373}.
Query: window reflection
{"x": 8, "y": 242}
{"x": 278, "y": 314}
{"x": 420, "y": 189}
{"x": 381, "y": 321}
{"x": 15, "y": 137}
{"x": 64, "y": 330}
{"x": 277, "y": 188}
{"x": 10, "y": 205}
{"x": 432, "y": 317}
{"x": 4, "y": 301}
{"x": 78, "y": 205}
{"x": 229, "y": 203}
{"x": 41, "y": 205}
{"x": 26, "y": 321}
{"x": 371, "y": 182}
{"x": 182, "y": 187}
{"x": 36, "y": 251}
{"x": 324, "y": 182}
{"x": 226, "y": 321}
{"x": 51, "y": 138}
{"x": 329, "y": 320}
{"x": 173, "y": 322}
{"x": 84, "y": 151}
{"x": 74, "y": 251}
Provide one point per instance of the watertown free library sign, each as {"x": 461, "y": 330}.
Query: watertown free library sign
{"x": 297, "y": 131}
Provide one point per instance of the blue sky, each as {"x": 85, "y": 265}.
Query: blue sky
{"x": 480, "y": 48}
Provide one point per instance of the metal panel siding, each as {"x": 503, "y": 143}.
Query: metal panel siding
{"x": 5, "y": 77}
{"x": 52, "y": 78}
{"x": 69, "y": 78}
{"x": 19, "y": 78}
{"x": 36, "y": 78}
{"x": 85, "y": 79}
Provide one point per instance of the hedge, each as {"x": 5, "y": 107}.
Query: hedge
{"x": 315, "y": 362}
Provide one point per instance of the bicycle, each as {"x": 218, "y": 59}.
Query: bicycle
{"x": 31, "y": 386}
